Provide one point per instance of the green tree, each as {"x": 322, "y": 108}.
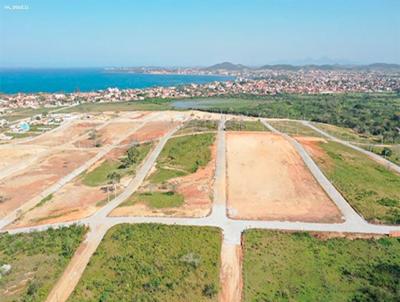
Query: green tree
{"x": 386, "y": 152}
{"x": 113, "y": 179}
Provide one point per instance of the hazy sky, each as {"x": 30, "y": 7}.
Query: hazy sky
{"x": 86, "y": 33}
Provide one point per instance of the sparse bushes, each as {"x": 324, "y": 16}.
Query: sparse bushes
{"x": 151, "y": 262}
{"x": 40, "y": 255}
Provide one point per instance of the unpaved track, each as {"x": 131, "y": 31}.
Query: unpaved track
{"x": 98, "y": 227}
{"x": 232, "y": 230}
{"x": 70, "y": 278}
{"x": 231, "y": 273}
{"x": 57, "y": 186}
{"x": 374, "y": 156}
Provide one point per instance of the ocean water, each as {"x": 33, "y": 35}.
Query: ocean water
{"x": 71, "y": 80}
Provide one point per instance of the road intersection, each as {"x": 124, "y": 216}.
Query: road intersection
{"x": 232, "y": 229}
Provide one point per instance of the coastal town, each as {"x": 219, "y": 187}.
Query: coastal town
{"x": 254, "y": 82}
{"x": 258, "y": 83}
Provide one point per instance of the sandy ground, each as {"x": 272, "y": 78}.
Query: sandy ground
{"x": 73, "y": 272}
{"x": 231, "y": 273}
{"x": 268, "y": 180}
{"x": 150, "y": 131}
{"x": 27, "y": 184}
{"x": 11, "y": 155}
{"x": 73, "y": 201}
{"x": 64, "y": 135}
{"x": 196, "y": 189}
{"x": 108, "y": 134}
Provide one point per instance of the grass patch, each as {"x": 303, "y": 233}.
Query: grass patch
{"x": 151, "y": 262}
{"x": 363, "y": 182}
{"x": 394, "y": 155}
{"x": 162, "y": 175}
{"x": 198, "y": 126}
{"x": 44, "y": 200}
{"x": 236, "y": 125}
{"x": 98, "y": 176}
{"x": 37, "y": 261}
{"x": 157, "y": 200}
{"x": 348, "y": 134}
{"x": 148, "y": 105}
{"x": 294, "y": 128}
{"x": 182, "y": 156}
{"x": 281, "y": 266}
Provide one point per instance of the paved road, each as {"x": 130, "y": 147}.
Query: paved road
{"x": 350, "y": 215}
{"x": 374, "y": 156}
{"x": 232, "y": 229}
{"x": 99, "y": 224}
{"x": 63, "y": 181}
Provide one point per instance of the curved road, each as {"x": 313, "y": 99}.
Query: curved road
{"x": 99, "y": 223}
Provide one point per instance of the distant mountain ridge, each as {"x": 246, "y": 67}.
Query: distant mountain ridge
{"x": 372, "y": 67}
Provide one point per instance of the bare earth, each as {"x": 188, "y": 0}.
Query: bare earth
{"x": 14, "y": 155}
{"x": 268, "y": 180}
{"x": 150, "y": 131}
{"x": 73, "y": 201}
{"x": 64, "y": 135}
{"x": 231, "y": 273}
{"x": 27, "y": 184}
{"x": 196, "y": 189}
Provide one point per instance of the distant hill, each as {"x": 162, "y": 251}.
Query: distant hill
{"x": 227, "y": 66}
{"x": 371, "y": 67}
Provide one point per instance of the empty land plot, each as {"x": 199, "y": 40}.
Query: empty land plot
{"x": 150, "y": 131}
{"x": 281, "y": 266}
{"x": 12, "y": 155}
{"x": 64, "y": 135}
{"x": 107, "y": 135}
{"x": 347, "y": 134}
{"x": 21, "y": 187}
{"x": 37, "y": 260}
{"x": 181, "y": 182}
{"x": 267, "y": 179}
{"x": 293, "y": 128}
{"x": 370, "y": 188}
{"x": 90, "y": 191}
{"x": 194, "y": 126}
{"x": 244, "y": 125}
{"x": 151, "y": 262}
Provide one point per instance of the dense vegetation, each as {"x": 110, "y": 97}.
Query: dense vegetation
{"x": 149, "y": 104}
{"x": 281, "y": 266}
{"x": 375, "y": 114}
{"x": 37, "y": 260}
{"x": 294, "y": 128}
{"x": 369, "y": 187}
{"x": 127, "y": 165}
{"x": 151, "y": 262}
{"x": 239, "y": 125}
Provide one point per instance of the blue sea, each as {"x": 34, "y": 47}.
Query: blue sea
{"x": 71, "y": 80}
